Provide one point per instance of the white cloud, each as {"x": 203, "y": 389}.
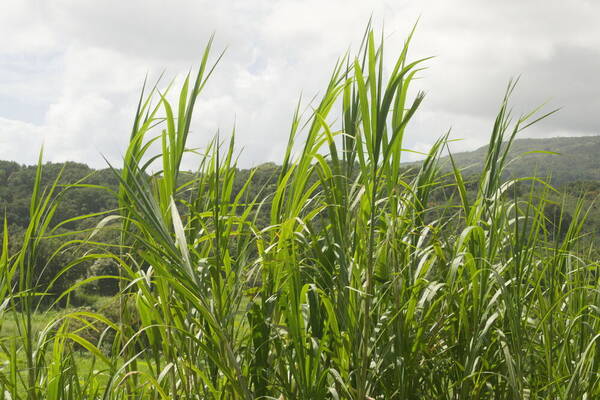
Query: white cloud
{"x": 71, "y": 71}
{"x": 16, "y": 139}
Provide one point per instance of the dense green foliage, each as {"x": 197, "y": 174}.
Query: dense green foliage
{"x": 17, "y": 181}
{"x": 560, "y": 160}
{"x": 365, "y": 281}
{"x": 90, "y": 193}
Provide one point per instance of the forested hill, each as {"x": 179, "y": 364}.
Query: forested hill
{"x": 575, "y": 171}
{"x": 16, "y": 183}
{"x": 577, "y": 163}
{"x": 578, "y": 159}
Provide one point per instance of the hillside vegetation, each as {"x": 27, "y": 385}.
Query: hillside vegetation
{"x": 524, "y": 157}
{"x": 570, "y": 164}
{"x": 560, "y": 160}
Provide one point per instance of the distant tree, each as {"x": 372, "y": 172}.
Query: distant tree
{"x": 558, "y": 221}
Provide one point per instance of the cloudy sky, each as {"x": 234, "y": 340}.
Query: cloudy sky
{"x": 71, "y": 70}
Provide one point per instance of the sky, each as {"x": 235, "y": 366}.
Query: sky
{"x": 71, "y": 70}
